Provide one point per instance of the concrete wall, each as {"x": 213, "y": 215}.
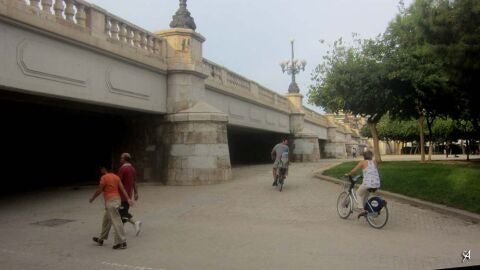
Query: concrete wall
{"x": 320, "y": 131}
{"x": 81, "y": 52}
{"x": 247, "y": 114}
{"x": 42, "y": 65}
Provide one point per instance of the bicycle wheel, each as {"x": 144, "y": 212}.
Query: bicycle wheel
{"x": 378, "y": 219}
{"x": 344, "y": 205}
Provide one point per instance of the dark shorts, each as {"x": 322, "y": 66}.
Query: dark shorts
{"x": 123, "y": 211}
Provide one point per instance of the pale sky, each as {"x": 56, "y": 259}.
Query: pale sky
{"x": 251, "y": 37}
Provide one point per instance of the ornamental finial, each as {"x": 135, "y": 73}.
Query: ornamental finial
{"x": 182, "y": 18}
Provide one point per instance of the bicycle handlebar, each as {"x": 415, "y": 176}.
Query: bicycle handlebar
{"x": 354, "y": 180}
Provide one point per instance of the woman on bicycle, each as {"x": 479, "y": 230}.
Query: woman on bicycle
{"x": 371, "y": 178}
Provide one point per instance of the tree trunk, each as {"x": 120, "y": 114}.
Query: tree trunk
{"x": 421, "y": 120}
{"x": 430, "y": 120}
{"x": 430, "y": 151}
{"x": 398, "y": 147}
{"x": 376, "y": 147}
{"x": 467, "y": 150}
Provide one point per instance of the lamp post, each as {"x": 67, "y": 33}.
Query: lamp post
{"x": 293, "y": 67}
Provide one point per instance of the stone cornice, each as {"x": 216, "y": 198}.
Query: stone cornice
{"x": 180, "y": 32}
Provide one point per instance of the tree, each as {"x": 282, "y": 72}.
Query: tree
{"x": 418, "y": 75}
{"x": 352, "y": 79}
{"x": 453, "y": 30}
{"x": 389, "y": 129}
{"x": 444, "y": 130}
{"x": 436, "y": 47}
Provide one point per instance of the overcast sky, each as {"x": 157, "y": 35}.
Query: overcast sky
{"x": 251, "y": 37}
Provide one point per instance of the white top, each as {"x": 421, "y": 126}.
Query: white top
{"x": 371, "y": 178}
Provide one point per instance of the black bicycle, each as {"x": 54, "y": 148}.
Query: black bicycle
{"x": 376, "y": 210}
{"x": 281, "y": 176}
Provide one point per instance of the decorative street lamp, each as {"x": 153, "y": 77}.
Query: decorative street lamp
{"x": 293, "y": 67}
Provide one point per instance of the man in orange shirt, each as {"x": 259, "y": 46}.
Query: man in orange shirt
{"x": 110, "y": 185}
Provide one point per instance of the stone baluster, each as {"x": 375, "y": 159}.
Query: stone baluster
{"x": 70, "y": 11}
{"x": 143, "y": 40}
{"x": 223, "y": 75}
{"x": 81, "y": 16}
{"x": 151, "y": 44}
{"x": 108, "y": 27}
{"x": 123, "y": 32}
{"x": 58, "y": 8}
{"x": 34, "y": 4}
{"x": 136, "y": 39}
{"x": 130, "y": 35}
{"x": 47, "y": 6}
{"x": 115, "y": 30}
{"x": 156, "y": 46}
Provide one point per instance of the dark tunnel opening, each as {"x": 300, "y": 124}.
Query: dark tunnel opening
{"x": 55, "y": 142}
{"x": 251, "y": 146}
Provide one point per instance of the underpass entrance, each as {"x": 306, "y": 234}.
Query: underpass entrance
{"x": 321, "y": 147}
{"x": 50, "y": 142}
{"x": 251, "y": 146}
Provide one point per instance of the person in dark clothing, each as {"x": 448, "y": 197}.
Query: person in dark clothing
{"x": 128, "y": 175}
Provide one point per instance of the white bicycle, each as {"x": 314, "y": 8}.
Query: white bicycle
{"x": 376, "y": 210}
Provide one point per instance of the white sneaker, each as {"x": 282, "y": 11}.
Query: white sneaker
{"x": 138, "y": 224}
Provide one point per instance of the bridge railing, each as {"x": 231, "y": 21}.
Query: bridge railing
{"x": 315, "y": 117}
{"x": 228, "y": 81}
{"x": 97, "y": 22}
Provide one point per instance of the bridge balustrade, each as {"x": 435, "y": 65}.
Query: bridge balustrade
{"x": 233, "y": 83}
{"x": 83, "y": 14}
{"x": 315, "y": 117}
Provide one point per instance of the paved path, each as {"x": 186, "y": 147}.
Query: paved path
{"x": 243, "y": 224}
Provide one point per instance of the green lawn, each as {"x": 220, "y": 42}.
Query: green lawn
{"x": 455, "y": 185}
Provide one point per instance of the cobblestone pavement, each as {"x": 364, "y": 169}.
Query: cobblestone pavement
{"x": 242, "y": 224}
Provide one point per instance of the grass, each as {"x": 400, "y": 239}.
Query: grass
{"x": 455, "y": 185}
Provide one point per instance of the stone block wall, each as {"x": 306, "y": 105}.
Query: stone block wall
{"x": 194, "y": 146}
{"x": 198, "y": 153}
{"x": 305, "y": 148}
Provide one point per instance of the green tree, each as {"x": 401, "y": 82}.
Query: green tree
{"x": 453, "y": 30}
{"x": 444, "y": 130}
{"x": 436, "y": 47}
{"x": 399, "y": 131}
{"x": 352, "y": 79}
{"x": 418, "y": 76}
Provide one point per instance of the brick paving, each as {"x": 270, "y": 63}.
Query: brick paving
{"x": 242, "y": 224}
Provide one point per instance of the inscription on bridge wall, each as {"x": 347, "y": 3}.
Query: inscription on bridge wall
{"x": 243, "y": 113}
{"x": 41, "y": 65}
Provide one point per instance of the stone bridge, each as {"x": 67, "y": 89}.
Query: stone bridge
{"x": 79, "y": 85}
